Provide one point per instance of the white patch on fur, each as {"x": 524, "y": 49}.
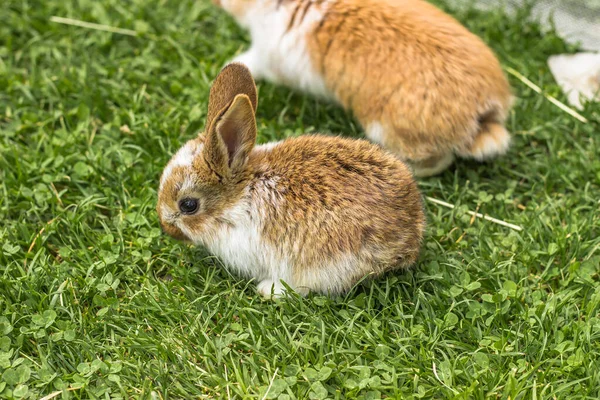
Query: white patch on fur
{"x": 186, "y": 186}
{"x": 491, "y": 144}
{"x": 241, "y": 246}
{"x": 331, "y": 276}
{"x": 270, "y": 289}
{"x": 375, "y": 132}
{"x": 183, "y": 158}
{"x": 277, "y": 54}
{"x": 267, "y": 146}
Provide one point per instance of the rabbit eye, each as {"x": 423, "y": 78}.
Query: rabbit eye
{"x": 188, "y": 206}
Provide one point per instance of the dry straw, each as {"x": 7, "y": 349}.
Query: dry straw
{"x": 476, "y": 214}
{"x": 91, "y": 25}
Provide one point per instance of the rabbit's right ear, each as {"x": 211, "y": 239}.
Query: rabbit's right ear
{"x": 231, "y": 138}
{"x": 233, "y": 80}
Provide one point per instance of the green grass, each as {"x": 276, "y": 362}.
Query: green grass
{"x": 95, "y": 303}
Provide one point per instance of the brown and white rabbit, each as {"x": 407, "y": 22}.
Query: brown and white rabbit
{"x": 317, "y": 212}
{"x": 420, "y": 83}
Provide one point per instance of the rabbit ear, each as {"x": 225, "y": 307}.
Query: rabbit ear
{"x": 233, "y": 80}
{"x": 231, "y": 137}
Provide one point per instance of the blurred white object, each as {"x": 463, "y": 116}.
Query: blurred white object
{"x": 576, "y": 21}
{"x": 578, "y": 76}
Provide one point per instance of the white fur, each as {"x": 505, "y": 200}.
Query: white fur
{"x": 494, "y": 143}
{"x": 578, "y": 75}
{"x": 267, "y": 146}
{"x": 241, "y": 247}
{"x": 270, "y": 289}
{"x": 277, "y": 54}
{"x": 332, "y": 275}
{"x": 375, "y": 132}
{"x": 183, "y": 158}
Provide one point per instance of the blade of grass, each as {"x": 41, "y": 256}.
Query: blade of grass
{"x": 476, "y": 214}
{"x": 91, "y": 25}
{"x": 551, "y": 99}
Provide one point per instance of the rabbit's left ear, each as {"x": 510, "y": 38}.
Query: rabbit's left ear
{"x": 231, "y": 137}
{"x": 234, "y": 79}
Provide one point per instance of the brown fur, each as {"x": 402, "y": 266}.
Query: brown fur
{"x": 339, "y": 196}
{"x": 334, "y": 209}
{"x": 431, "y": 84}
{"x": 413, "y": 67}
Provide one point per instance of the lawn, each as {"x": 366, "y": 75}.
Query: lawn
{"x": 96, "y": 303}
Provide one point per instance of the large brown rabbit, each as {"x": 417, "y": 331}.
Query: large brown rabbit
{"x": 317, "y": 212}
{"x": 419, "y": 82}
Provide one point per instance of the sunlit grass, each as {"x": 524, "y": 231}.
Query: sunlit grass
{"x": 95, "y": 302}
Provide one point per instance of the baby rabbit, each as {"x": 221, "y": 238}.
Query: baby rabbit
{"x": 419, "y": 82}
{"x": 317, "y": 212}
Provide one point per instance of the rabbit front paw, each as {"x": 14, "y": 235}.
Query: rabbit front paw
{"x": 270, "y": 289}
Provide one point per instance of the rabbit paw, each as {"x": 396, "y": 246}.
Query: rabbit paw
{"x": 270, "y": 289}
